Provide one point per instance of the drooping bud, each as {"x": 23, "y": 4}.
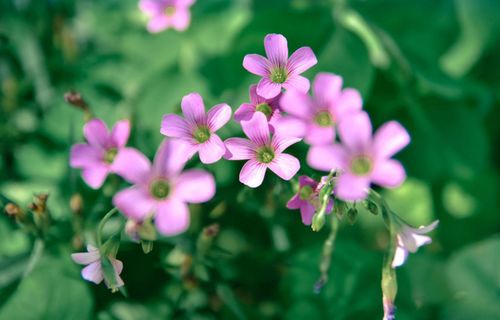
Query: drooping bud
{"x": 318, "y": 221}
{"x": 340, "y": 208}
{"x": 371, "y": 206}
{"x": 206, "y": 238}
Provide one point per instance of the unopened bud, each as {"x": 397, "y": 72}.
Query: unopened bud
{"x": 371, "y": 206}
{"x": 147, "y": 246}
{"x": 352, "y": 215}
{"x": 74, "y": 98}
{"x": 39, "y": 204}
{"x": 206, "y": 238}
{"x": 76, "y": 203}
{"x": 318, "y": 221}
{"x": 212, "y": 230}
{"x": 340, "y": 208}
{"x": 13, "y": 210}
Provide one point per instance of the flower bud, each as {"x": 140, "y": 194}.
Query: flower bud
{"x": 76, "y": 203}
{"x": 371, "y": 206}
{"x": 13, "y": 210}
{"x": 74, "y": 98}
{"x": 318, "y": 221}
{"x": 352, "y": 215}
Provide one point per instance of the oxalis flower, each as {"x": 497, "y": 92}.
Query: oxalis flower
{"x": 362, "y": 159}
{"x": 198, "y": 128}
{"x": 98, "y": 157}
{"x": 269, "y": 107}
{"x": 166, "y": 14}
{"x": 410, "y": 239}
{"x": 94, "y": 267}
{"x": 162, "y": 190}
{"x": 262, "y": 152}
{"x": 277, "y": 70}
{"x": 306, "y": 199}
{"x": 316, "y": 116}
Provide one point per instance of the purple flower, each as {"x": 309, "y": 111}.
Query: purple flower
{"x": 317, "y": 115}
{"x": 277, "y": 70}
{"x": 269, "y": 107}
{"x": 162, "y": 190}
{"x": 98, "y": 157}
{"x": 262, "y": 152}
{"x": 166, "y": 14}
{"x": 361, "y": 158}
{"x": 306, "y": 199}
{"x": 410, "y": 239}
{"x": 198, "y": 128}
{"x": 94, "y": 271}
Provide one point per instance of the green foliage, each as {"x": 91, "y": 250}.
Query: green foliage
{"x": 432, "y": 65}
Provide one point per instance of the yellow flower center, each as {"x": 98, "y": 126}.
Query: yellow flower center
{"x": 110, "y": 155}
{"x": 279, "y": 75}
{"x": 323, "y": 119}
{"x": 265, "y": 154}
{"x": 361, "y": 165}
{"x": 160, "y": 188}
{"x": 265, "y": 109}
{"x": 201, "y": 134}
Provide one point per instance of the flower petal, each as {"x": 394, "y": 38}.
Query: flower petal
{"x": 351, "y": 187}
{"x": 268, "y": 89}
{"x": 150, "y": 6}
{"x": 399, "y": 257}
{"x": 388, "y": 173}
{"x": 175, "y": 126}
{"x": 212, "y": 150}
{"x": 244, "y": 112}
{"x": 290, "y": 126}
{"x": 426, "y": 229}
{"x": 158, "y": 22}
{"x": 256, "y": 64}
{"x": 86, "y": 257}
{"x": 181, "y": 19}
{"x": 317, "y": 135}
{"x": 295, "y": 202}
{"x": 95, "y": 175}
{"x": 298, "y": 83}
{"x": 120, "y": 133}
{"x": 281, "y": 142}
{"x": 96, "y": 133}
{"x": 252, "y": 174}
{"x": 327, "y": 88}
{"x": 327, "y": 157}
{"x": 93, "y": 272}
{"x": 257, "y": 129}
{"x": 389, "y": 139}
{"x": 195, "y": 186}
{"x": 132, "y": 165}
{"x": 301, "y": 60}
{"x": 171, "y": 157}
{"x": 239, "y": 149}
{"x": 84, "y": 155}
{"x": 172, "y": 217}
{"x": 276, "y": 48}
{"x": 348, "y": 102}
{"x": 135, "y": 202}
{"x": 298, "y": 104}
{"x": 193, "y": 108}
{"x": 307, "y": 212}
{"x": 218, "y": 116}
{"x": 285, "y": 166}
{"x": 356, "y": 131}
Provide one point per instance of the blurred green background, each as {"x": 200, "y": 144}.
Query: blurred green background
{"x": 431, "y": 64}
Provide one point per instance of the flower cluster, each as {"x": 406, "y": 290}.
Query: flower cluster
{"x": 281, "y": 113}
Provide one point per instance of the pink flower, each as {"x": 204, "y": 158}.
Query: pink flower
{"x": 94, "y": 271}
{"x": 262, "y": 152}
{"x": 198, "y": 128}
{"x": 166, "y": 14}
{"x": 361, "y": 158}
{"x": 317, "y": 115}
{"x": 269, "y": 107}
{"x": 277, "y": 70}
{"x": 410, "y": 239}
{"x": 306, "y": 199}
{"x": 98, "y": 157}
{"x": 162, "y": 190}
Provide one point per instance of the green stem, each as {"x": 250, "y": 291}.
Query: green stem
{"x": 101, "y": 225}
{"x": 326, "y": 256}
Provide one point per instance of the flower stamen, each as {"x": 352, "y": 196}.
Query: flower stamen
{"x": 160, "y": 188}
{"x": 265, "y": 154}
{"x": 361, "y": 165}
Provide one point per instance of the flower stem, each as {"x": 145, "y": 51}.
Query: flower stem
{"x": 101, "y": 225}
{"x": 326, "y": 256}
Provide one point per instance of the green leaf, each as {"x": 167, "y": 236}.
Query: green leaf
{"x": 226, "y": 294}
{"x": 54, "y": 290}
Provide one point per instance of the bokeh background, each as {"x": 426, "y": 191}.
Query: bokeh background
{"x": 431, "y": 64}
